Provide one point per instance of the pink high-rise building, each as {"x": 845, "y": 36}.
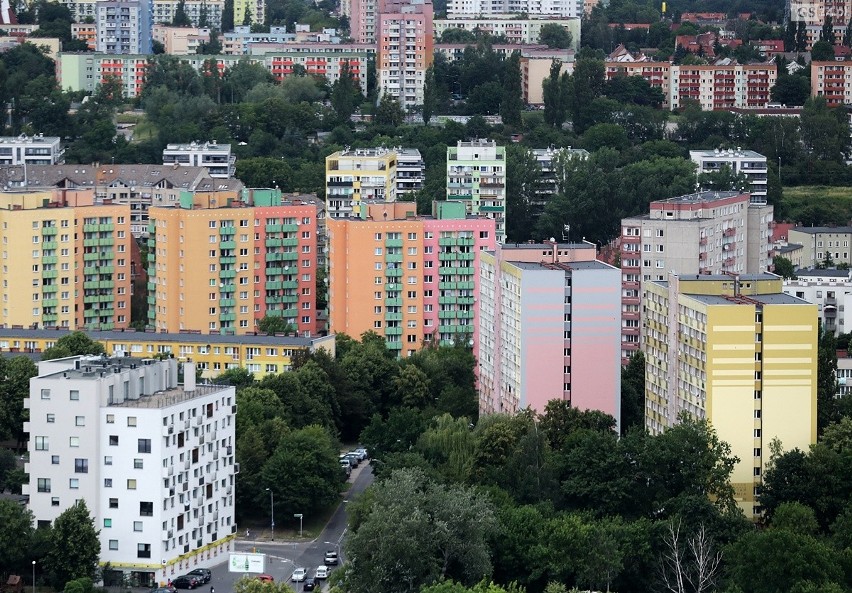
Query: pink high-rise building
{"x": 362, "y": 19}
{"x": 404, "y": 49}
{"x": 549, "y": 328}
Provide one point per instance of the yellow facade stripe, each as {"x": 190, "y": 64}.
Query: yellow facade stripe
{"x": 788, "y": 328}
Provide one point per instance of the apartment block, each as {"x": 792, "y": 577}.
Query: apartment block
{"x": 549, "y": 160}
{"x": 139, "y": 186}
{"x": 258, "y": 260}
{"x": 78, "y": 270}
{"x": 741, "y": 162}
{"x": 833, "y": 81}
{"x": 31, "y": 150}
{"x": 412, "y": 279}
{"x": 249, "y": 12}
{"x": 199, "y": 12}
{"x": 123, "y": 26}
{"x": 404, "y": 44}
{"x": 703, "y": 233}
{"x": 821, "y": 244}
{"x": 152, "y": 459}
{"x": 243, "y": 41}
{"x": 738, "y": 352}
{"x": 830, "y": 290}
{"x": 550, "y": 329}
{"x": 476, "y": 176}
{"x": 85, "y": 32}
{"x": 410, "y": 170}
{"x": 514, "y": 29}
{"x": 354, "y": 177}
{"x": 363, "y": 15}
{"x": 543, "y": 8}
{"x": 216, "y": 158}
{"x": 723, "y": 85}
{"x": 181, "y": 41}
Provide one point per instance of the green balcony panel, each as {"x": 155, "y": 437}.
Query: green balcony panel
{"x": 106, "y": 242}
{"x": 393, "y": 331}
{"x": 273, "y": 228}
{"x": 466, "y": 271}
{"x": 106, "y": 298}
{"x": 447, "y": 241}
{"x": 227, "y": 244}
{"x": 448, "y": 256}
{"x": 465, "y": 300}
{"x": 106, "y": 284}
{"x": 466, "y": 241}
{"x": 49, "y": 231}
{"x": 290, "y": 298}
{"x": 466, "y": 285}
{"x": 227, "y": 230}
{"x": 289, "y": 256}
{"x": 447, "y": 300}
{"x": 274, "y": 271}
{"x": 227, "y": 302}
{"x": 227, "y": 317}
{"x": 289, "y": 242}
{"x": 50, "y": 274}
{"x": 91, "y": 256}
{"x": 47, "y": 289}
{"x": 393, "y": 302}
{"x": 93, "y": 228}
{"x": 90, "y": 242}
{"x": 49, "y": 259}
{"x": 273, "y": 285}
{"x": 447, "y": 285}
{"x": 467, "y": 256}
{"x": 227, "y": 273}
{"x": 227, "y": 260}
{"x": 290, "y": 284}
{"x": 393, "y": 258}
{"x": 49, "y": 245}
{"x": 103, "y": 270}
{"x": 394, "y": 345}
{"x": 106, "y": 228}
{"x": 289, "y": 313}
{"x": 393, "y": 316}
{"x": 49, "y": 302}
{"x": 152, "y": 300}
{"x": 393, "y": 243}
{"x": 396, "y": 272}
{"x": 49, "y": 317}
{"x": 274, "y": 242}
{"x": 392, "y": 286}
{"x": 289, "y": 228}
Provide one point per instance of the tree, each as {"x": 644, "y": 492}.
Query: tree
{"x": 344, "y": 94}
{"x": 689, "y": 563}
{"x": 248, "y": 584}
{"x": 523, "y": 182}
{"x": 228, "y": 16}
{"x": 791, "y": 90}
{"x": 555, "y": 36}
{"x": 512, "y": 102}
{"x": 389, "y": 112}
{"x": 453, "y": 35}
{"x": 826, "y": 379}
{"x": 75, "y": 343}
{"x": 822, "y": 51}
{"x": 555, "y": 109}
{"x": 181, "y": 19}
{"x": 796, "y": 518}
{"x": 412, "y": 387}
{"x": 783, "y": 267}
{"x": 74, "y": 546}
{"x": 274, "y": 324}
{"x": 17, "y": 372}
{"x": 238, "y": 377}
{"x": 633, "y": 393}
{"x": 827, "y": 32}
{"x": 801, "y": 36}
{"x": 430, "y": 95}
{"x": 15, "y": 536}
{"x": 587, "y": 84}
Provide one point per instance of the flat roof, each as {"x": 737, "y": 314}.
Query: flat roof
{"x": 729, "y": 277}
{"x": 195, "y": 338}
{"x": 699, "y": 197}
{"x": 788, "y": 247}
{"x": 729, "y": 153}
{"x": 776, "y": 298}
{"x": 566, "y": 266}
{"x": 828, "y": 272}
{"x": 812, "y": 230}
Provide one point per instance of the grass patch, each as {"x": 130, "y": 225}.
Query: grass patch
{"x": 129, "y": 118}
{"x": 144, "y": 131}
{"x": 817, "y": 205}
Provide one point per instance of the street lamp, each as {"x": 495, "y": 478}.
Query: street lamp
{"x": 34, "y": 563}
{"x": 272, "y": 511}
{"x": 299, "y": 516}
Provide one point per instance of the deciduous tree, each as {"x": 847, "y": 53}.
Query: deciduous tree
{"x": 74, "y": 546}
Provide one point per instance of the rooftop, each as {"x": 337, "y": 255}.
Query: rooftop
{"x": 567, "y": 266}
{"x": 134, "y": 336}
{"x": 699, "y": 197}
{"x": 23, "y": 139}
{"x": 813, "y": 230}
{"x": 825, "y": 273}
{"x": 787, "y": 248}
{"x": 778, "y": 298}
{"x": 198, "y": 146}
{"x": 726, "y": 153}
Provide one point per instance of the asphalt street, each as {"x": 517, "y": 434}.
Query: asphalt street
{"x": 282, "y": 557}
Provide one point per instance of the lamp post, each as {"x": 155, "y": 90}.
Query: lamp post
{"x": 34, "y": 563}
{"x": 299, "y": 516}
{"x": 272, "y": 511}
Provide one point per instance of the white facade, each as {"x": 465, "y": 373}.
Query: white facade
{"x": 748, "y": 162}
{"x": 516, "y": 30}
{"x": 830, "y": 290}
{"x": 164, "y": 11}
{"x": 476, "y": 175}
{"x": 31, "y": 150}
{"x": 153, "y": 460}
{"x": 558, "y": 8}
{"x": 217, "y": 158}
{"x": 410, "y": 170}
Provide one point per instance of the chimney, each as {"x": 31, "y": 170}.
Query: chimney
{"x": 189, "y": 376}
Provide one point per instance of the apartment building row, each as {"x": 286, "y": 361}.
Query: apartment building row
{"x": 224, "y": 266}
{"x": 31, "y": 150}
{"x": 84, "y": 71}
{"x": 737, "y": 351}
{"x": 821, "y": 246}
{"x": 200, "y": 12}
{"x": 525, "y": 30}
{"x": 138, "y": 186}
{"x": 707, "y": 233}
{"x": 242, "y": 41}
{"x": 723, "y": 85}
{"x": 212, "y": 352}
{"x": 497, "y": 8}
{"x": 830, "y": 289}
{"x": 153, "y": 460}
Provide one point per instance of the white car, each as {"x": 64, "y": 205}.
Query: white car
{"x": 321, "y": 573}
{"x": 299, "y": 575}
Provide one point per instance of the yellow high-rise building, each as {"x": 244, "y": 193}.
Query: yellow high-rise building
{"x": 353, "y": 176}
{"x": 740, "y": 353}
{"x": 66, "y": 260}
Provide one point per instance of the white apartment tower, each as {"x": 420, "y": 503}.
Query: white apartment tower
{"x": 476, "y": 175}
{"x": 746, "y": 162}
{"x": 154, "y": 460}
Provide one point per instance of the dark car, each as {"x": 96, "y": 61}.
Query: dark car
{"x": 310, "y": 584}
{"x": 202, "y": 574}
{"x": 185, "y": 581}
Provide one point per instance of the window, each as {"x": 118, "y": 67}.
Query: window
{"x": 80, "y": 421}
{"x": 137, "y": 464}
{"x": 74, "y": 483}
{"x": 113, "y": 503}
{"x": 45, "y": 394}
{"x": 131, "y": 484}
{"x": 81, "y": 466}
{"x": 44, "y": 484}
{"x": 146, "y": 509}
{"x": 108, "y": 460}
{"x": 41, "y": 444}
{"x": 113, "y": 544}
{"x": 107, "y": 523}
{"x": 74, "y": 395}
{"x": 110, "y": 419}
{"x": 137, "y": 526}
{"x": 51, "y": 418}
{"x": 54, "y": 502}
{"x": 74, "y": 442}
{"x": 107, "y": 482}
{"x": 131, "y": 421}
{"x": 144, "y": 446}
{"x": 54, "y": 459}
{"x": 143, "y": 550}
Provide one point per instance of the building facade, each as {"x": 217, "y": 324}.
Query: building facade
{"x": 77, "y": 273}
{"x": 822, "y": 245}
{"x": 548, "y": 160}
{"x": 198, "y": 12}
{"x": 476, "y": 176}
{"x": 259, "y": 259}
{"x": 550, "y": 329}
{"x": 830, "y": 290}
{"x": 362, "y": 19}
{"x": 216, "y": 158}
{"x": 484, "y": 8}
{"x": 412, "y": 279}
{"x": 354, "y": 177}
{"x": 404, "y": 44}
{"x": 31, "y": 150}
{"x": 124, "y": 27}
{"x": 410, "y": 171}
{"x": 181, "y": 41}
{"x": 153, "y": 460}
{"x": 704, "y": 233}
{"x": 748, "y": 163}
{"x": 514, "y": 29}
{"x": 738, "y": 352}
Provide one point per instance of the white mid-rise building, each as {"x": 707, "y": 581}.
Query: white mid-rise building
{"x": 476, "y": 176}
{"x": 31, "y": 150}
{"x": 830, "y": 290}
{"x": 410, "y": 170}
{"x": 152, "y": 459}
{"x": 217, "y": 158}
{"x": 745, "y": 162}
{"x": 541, "y": 8}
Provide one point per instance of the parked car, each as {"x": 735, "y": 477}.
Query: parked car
{"x": 185, "y": 581}
{"x": 310, "y": 584}
{"x": 203, "y": 574}
{"x": 299, "y": 575}
{"x": 362, "y": 453}
{"x": 331, "y": 557}
{"x": 265, "y": 578}
{"x": 353, "y": 459}
{"x": 321, "y": 572}
{"x": 347, "y": 469}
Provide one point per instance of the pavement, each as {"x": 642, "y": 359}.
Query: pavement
{"x": 284, "y": 556}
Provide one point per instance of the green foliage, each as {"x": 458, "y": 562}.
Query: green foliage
{"x": 553, "y": 35}
{"x": 389, "y": 112}
{"x": 795, "y": 518}
{"x": 83, "y": 585}
{"x": 249, "y": 584}
{"x": 237, "y": 376}
{"x": 15, "y": 536}
{"x": 274, "y": 324}
{"x": 74, "y": 546}
{"x": 76, "y": 343}
{"x": 783, "y": 267}
{"x": 633, "y": 393}
{"x": 17, "y": 373}
{"x": 512, "y": 103}
{"x": 827, "y": 401}
{"x": 345, "y": 94}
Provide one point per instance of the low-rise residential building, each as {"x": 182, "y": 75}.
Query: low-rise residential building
{"x": 476, "y": 175}
{"x": 515, "y": 29}
{"x": 181, "y": 41}
{"x": 738, "y": 352}
{"x": 77, "y": 274}
{"x": 703, "y": 233}
{"x": 259, "y": 259}
{"x": 212, "y": 352}
{"x": 153, "y": 460}
{"x": 748, "y": 163}
{"x": 822, "y": 245}
{"x": 549, "y": 329}
{"x": 830, "y": 290}
{"x": 216, "y": 158}
{"x": 199, "y": 12}
{"x": 844, "y": 373}
{"x": 31, "y": 150}
{"x": 412, "y": 279}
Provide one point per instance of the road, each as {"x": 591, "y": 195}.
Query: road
{"x": 282, "y": 557}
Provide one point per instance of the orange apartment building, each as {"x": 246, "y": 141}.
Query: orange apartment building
{"x": 221, "y": 265}
{"x": 833, "y": 81}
